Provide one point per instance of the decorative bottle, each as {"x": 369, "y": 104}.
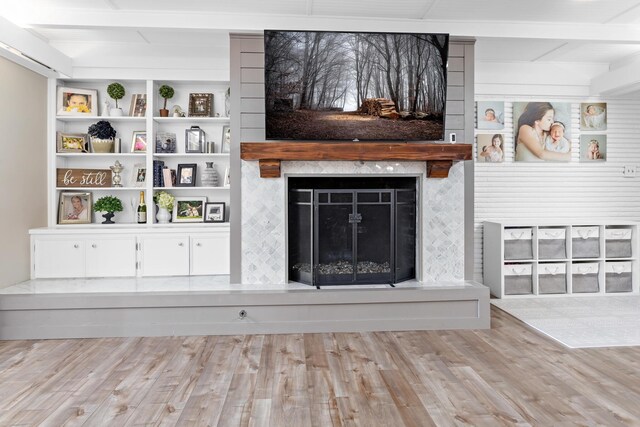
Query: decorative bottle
{"x": 209, "y": 176}
{"x": 142, "y": 210}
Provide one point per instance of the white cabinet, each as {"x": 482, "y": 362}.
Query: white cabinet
{"x": 546, "y": 259}
{"x": 84, "y": 256}
{"x": 164, "y": 255}
{"x": 210, "y": 254}
{"x": 55, "y": 257}
{"x": 110, "y": 256}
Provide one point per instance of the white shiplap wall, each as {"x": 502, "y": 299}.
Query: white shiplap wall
{"x": 517, "y": 191}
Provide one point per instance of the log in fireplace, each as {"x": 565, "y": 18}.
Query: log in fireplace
{"x": 352, "y": 230}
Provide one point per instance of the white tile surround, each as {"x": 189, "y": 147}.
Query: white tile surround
{"x": 264, "y": 249}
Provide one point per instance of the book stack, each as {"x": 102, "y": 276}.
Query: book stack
{"x": 158, "y": 179}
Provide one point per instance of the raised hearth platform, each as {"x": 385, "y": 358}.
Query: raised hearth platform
{"x": 88, "y": 308}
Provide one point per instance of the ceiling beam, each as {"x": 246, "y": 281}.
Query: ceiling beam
{"x": 86, "y": 18}
{"x": 617, "y": 82}
{"x": 31, "y": 50}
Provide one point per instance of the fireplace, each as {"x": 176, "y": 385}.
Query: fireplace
{"x": 356, "y": 230}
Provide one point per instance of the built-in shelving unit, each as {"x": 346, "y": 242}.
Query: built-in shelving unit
{"x": 557, "y": 258}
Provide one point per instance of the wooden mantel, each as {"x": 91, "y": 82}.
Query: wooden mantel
{"x": 439, "y": 156}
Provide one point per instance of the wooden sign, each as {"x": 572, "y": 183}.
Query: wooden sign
{"x": 83, "y": 177}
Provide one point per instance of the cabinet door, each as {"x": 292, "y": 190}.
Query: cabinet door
{"x": 58, "y": 257}
{"x": 111, "y": 257}
{"x": 165, "y": 255}
{"x": 210, "y": 254}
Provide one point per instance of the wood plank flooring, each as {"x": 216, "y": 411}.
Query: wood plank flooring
{"x": 509, "y": 375}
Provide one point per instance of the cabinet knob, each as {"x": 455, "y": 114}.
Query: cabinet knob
{"x": 76, "y": 246}
{"x": 94, "y": 246}
{"x": 198, "y": 244}
{"x": 180, "y": 244}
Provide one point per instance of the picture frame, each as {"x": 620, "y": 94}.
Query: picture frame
{"x": 139, "y": 141}
{"x": 189, "y": 209}
{"x": 490, "y": 148}
{"x": 226, "y": 140}
{"x": 200, "y": 105}
{"x": 490, "y": 115}
{"x": 186, "y": 176}
{"x": 71, "y": 142}
{"x": 556, "y": 140}
{"x": 139, "y": 176}
{"x": 194, "y": 140}
{"x": 593, "y": 116}
{"x": 75, "y": 207}
{"x": 214, "y": 211}
{"x": 138, "y": 105}
{"x": 76, "y": 102}
{"x": 593, "y": 148}
{"x": 227, "y": 177}
{"x": 166, "y": 142}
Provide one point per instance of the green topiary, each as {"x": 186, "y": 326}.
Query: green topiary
{"x": 109, "y": 204}
{"x": 115, "y": 91}
{"x": 166, "y": 92}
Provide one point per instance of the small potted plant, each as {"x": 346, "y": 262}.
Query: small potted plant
{"x": 101, "y": 136}
{"x": 165, "y": 203}
{"x": 109, "y": 205}
{"x": 167, "y": 93}
{"x": 116, "y": 92}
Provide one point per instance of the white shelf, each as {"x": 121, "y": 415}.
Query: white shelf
{"x": 100, "y": 188}
{"x": 220, "y": 188}
{"x": 221, "y": 120}
{"x": 95, "y": 118}
{"x": 88, "y": 155}
{"x": 220, "y": 155}
{"x": 192, "y": 224}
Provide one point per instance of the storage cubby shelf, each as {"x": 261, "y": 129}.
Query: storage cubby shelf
{"x": 96, "y": 118}
{"x": 98, "y": 155}
{"x": 611, "y": 268}
{"x": 100, "y": 188}
{"x": 186, "y": 120}
{"x": 214, "y": 155}
{"x": 190, "y": 188}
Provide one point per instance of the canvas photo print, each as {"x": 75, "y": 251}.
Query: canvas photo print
{"x": 593, "y": 116}
{"x": 542, "y": 131}
{"x": 345, "y": 86}
{"x": 593, "y": 147}
{"x": 165, "y": 142}
{"x": 490, "y": 115}
{"x": 490, "y": 148}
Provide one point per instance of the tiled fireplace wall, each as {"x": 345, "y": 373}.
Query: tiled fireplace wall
{"x": 258, "y": 224}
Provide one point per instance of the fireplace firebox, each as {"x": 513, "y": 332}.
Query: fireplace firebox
{"x": 345, "y": 231}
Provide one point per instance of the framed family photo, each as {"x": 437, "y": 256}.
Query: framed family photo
{"x": 593, "y": 148}
{"x": 226, "y": 140}
{"x": 593, "y": 116}
{"x": 138, "y": 105}
{"x": 490, "y": 148}
{"x": 71, "y": 142}
{"x": 189, "y": 209}
{"x": 139, "y": 175}
{"x": 139, "y": 141}
{"x": 77, "y": 102}
{"x": 200, "y": 105}
{"x": 186, "y": 176}
{"x": 74, "y": 208}
{"x": 165, "y": 142}
{"x": 542, "y": 131}
{"x": 214, "y": 212}
{"x": 490, "y": 115}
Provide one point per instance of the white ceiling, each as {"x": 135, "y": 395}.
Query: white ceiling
{"x": 580, "y": 31}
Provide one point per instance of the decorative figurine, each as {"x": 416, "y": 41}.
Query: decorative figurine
{"x": 105, "y": 109}
{"x": 116, "y": 169}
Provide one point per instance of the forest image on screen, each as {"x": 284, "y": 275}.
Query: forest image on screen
{"x": 347, "y": 86}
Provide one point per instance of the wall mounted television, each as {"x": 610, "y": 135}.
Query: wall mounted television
{"x": 345, "y": 86}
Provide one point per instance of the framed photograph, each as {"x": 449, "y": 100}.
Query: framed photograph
{"x": 214, "y": 212}
{"x": 490, "y": 115}
{"x": 226, "y": 139}
{"x": 138, "y": 105}
{"x": 200, "y": 105}
{"x": 139, "y": 141}
{"x": 194, "y": 140}
{"x": 227, "y": 177}
{"x": 74, "y": 208}
{"x": 77, "y": 102}
{"x": 490, "y": 148}
{"x": 165, "y": 142}
{"x": 189, "y": 209}
{"x": 186, "y": 175}
{"x": 593, "y": 116}
{"x": 542, "y": 131}
{"x": 71, "y": 142}
{"x": 139, "y": 175}
{"x": 593, "y": 148}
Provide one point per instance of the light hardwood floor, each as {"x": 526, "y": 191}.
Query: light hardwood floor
{"x": 509, "y": 375}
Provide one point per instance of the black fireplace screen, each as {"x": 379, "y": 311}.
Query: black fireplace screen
{"x": 343, "y": 236}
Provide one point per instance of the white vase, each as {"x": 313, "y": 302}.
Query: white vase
{"x": 163, "y": 216}
{"x": 116, "y": 112}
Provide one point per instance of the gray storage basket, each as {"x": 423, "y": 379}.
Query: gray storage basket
{"x": 552, "y": 249}
{"x": 518, "y": 243}
{"x": 618, "y": 282}
{"x": 585, "y": 283}
{"x": 618, "y": 248}
{"x": 552, "y": 283}
{"x": 518, "y": 285}
{"x": 585, "y": 242}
